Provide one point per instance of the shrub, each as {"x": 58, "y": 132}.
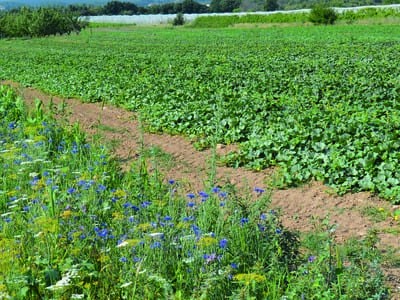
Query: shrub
{"x": 321, "y": 14}
{"x": 179, "y": 20}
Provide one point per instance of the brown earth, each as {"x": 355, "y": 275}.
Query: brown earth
{"x": 300, "y": 207}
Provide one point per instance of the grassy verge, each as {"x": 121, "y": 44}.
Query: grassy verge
{"x": 363, "y": 16}
{"x": 73, "y": 226}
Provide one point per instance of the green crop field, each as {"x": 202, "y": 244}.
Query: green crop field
{"x": 318, "y": 102}
{"x": 315, "y": 102}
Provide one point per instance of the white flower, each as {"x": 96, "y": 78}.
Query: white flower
{"x": 123, "y": 244}
{"x": 126, "y": 284}
{"x": 65, "y": 281}
{"x": 156, "y": 235}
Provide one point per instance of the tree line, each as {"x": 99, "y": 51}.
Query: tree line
{"x": 191, "y": 6}
{"x": 186, "y": 7}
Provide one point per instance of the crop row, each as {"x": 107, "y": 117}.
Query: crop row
{"x": 318, "y": 102}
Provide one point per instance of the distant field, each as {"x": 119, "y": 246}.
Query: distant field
{"x": 299, "y": 15}
{"x": 317, "y": 102}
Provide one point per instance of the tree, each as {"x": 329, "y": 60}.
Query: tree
{"x": 224, "y": 5}
{"x": 271, "y": 5}
{"x": 118, "y": 8}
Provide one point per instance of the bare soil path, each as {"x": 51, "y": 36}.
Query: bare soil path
{"x": 190, "y": 168}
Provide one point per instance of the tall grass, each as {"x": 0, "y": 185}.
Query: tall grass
{"x": 348, "y": 16}
{"x": 226, "y": 21}
{"x": 73, "y": 226}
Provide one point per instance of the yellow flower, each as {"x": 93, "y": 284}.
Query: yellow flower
{"x": 144, "y": 227}
{"x": 12, "y": 176}
{"x": 104, "y": 258}
{"x": 66, "y": 214}
{"x": 117, "y": 216}
{"x": 11, "y": 193}
{"x": 250, "y": 277}
{"x": 206, "y": 241}
{"x": 39, "y": 138}
{"x": 46, "y": 225}
{"x": 182, "y": 225}
{"x": 119, "y": 193}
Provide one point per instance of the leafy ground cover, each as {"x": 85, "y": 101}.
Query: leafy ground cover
{"x": 73, "y": 226}
{"x": 317, "y": 102}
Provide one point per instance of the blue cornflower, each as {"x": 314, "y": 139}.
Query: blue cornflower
{"x": 234, "y": 265}
{"x": 191, "y": 196}
{"x": 101, "y": 188}
{"x": 196, "y": 230}
{"x": 103, "y": 233}
{"x": 127, "y": 205}
{"x": 203, "y": 195}
{"x": 311, "y": 258}
{"x": 71, "y": 190}
{"x": 146, "y": 204}
{"x": 34, "y": 181}
{"x": 82, "y": 183}
{"x": 278, "y": 231}
{"x": 263, "y": 216}
{"x": 223, "y": 194}
{"x": 171, "y": 181}
{"x": 74, "y": 149}
{"x": 155, "y": 245}
{"x": 123, "y": 259}
{"x": 191, "y": 204}
{"x": 215, "y": 189}
{"x": 259, "y": 190}
{"x": 209, "y": 258}
{"x": 244, "y": 221}
{"x": 12, "y": 125}
{"x": 167, "y": 218}
{"x": 187, "y": 219}
{"x": 223, "y": 244}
